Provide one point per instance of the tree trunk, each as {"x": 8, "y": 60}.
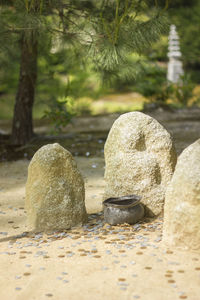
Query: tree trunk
{"x": 22, "y": 127}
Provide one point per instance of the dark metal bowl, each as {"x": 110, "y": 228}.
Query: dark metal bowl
{"x": 126, "y": 209}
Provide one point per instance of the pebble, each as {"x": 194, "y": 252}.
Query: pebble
{"x": 121, "y": 279}
{"x": 139, "y": 253}
{"x": 181, "y": 271}
{"x": 94, "y": 251}
{"x": 28, "y": 244}
{"x": 38, "y": 236}
{"x": 116, "y": 261}
{"x": 158, "y": 239}
{"x": 59, "y": 278}
{"x": 65, "y": 281}
{"x": 171, "y": 281}
{"x": 137, "y": 226}
{"x": 40, "y": 253}
{"x": 123, "y": 266}
{"x": 181, "y": 293}
{"x": 195, "y": 259}
{"x": 122, "y": 284}
{"x": 173, "y": 263}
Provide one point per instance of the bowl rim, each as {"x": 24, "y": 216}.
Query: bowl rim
{"x": 122, "y": 202}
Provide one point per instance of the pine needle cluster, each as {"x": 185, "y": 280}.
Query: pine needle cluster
{"x": 105, "y": 32}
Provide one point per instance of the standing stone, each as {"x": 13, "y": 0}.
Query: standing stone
{"x": 182, "y": 204}
{"x": 55, "y": 191}
{"x": 140, "y": 159}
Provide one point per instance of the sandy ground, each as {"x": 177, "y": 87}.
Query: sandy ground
{"x": 96, "y": 261}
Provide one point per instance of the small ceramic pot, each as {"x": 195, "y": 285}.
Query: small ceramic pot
{"x": 126, "y": 209}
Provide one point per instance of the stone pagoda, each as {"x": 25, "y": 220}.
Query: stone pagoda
{"x": 175, "y": 67}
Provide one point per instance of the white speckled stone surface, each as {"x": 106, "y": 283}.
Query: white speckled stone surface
{"x": 55, "y": 194}
{"x": 140, "y": 159}
{"x": 182, "y": 206}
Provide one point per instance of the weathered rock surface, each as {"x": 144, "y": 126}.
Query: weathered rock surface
{"x": 140, "y": 159}
{"x": 55, "y": 191}
{"x": 182, "y": 204}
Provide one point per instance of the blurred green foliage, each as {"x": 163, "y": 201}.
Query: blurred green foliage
{"x": 186, "y": 16}
{"x": 154, "y": 86}
{"x": 66, "y": 83}
{"x": 183, "y": 91}
{"x": 152, "y": 83}
{"x": 60, "y": 113}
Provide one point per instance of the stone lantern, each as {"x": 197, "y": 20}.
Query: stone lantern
{"x": 175, "y": 67}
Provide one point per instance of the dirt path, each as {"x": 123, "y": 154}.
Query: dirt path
{"x": 94, "y": 262}
{"x": 86, "y": 135}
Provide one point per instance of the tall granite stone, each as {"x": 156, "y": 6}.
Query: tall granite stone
{"x": 55, "y": 191}
{"x": 182, "y": 204}
{"x": 140, "y": 159}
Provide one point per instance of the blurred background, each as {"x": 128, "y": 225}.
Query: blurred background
{"x": 68, "y": 88}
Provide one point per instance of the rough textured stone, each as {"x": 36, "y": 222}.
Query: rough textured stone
{"x": 140, "y": 159}
{"x": 55, "y": 191}
{"x": 182, "y": 204}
